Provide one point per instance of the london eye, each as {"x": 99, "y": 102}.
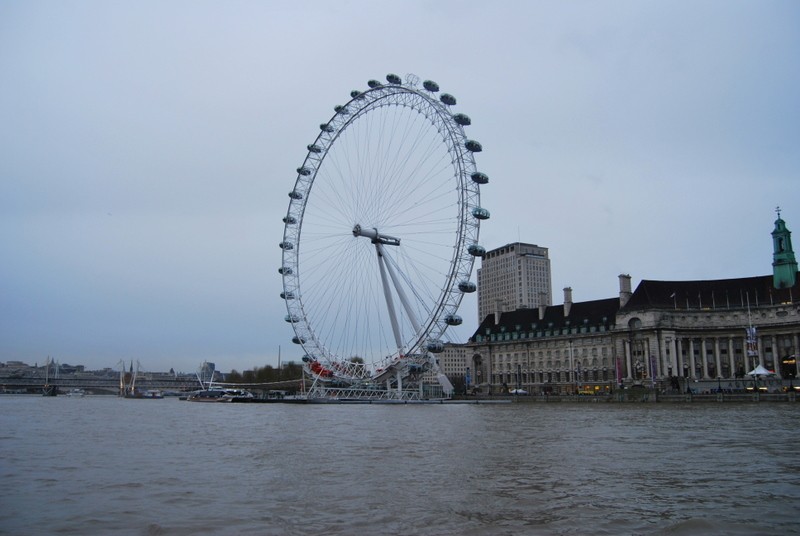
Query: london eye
{"x": 381, "y": 234}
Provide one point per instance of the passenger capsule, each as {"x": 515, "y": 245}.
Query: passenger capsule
{"x": 480, "y": 213}
{"x": 325, "y": 127}
{"x": 355, "y": 93}
{"x": 453, "y": 320}
{"x": 286, "y": 246}
{"x": 480, "y": 178}
{"x": 462, "y": 119}
{"x": 431, "y": 86}
{"x": 476, "y": 250}
{"x": 294, "y": 194}
{"x": 304, "y": 171}
{"x": 393, "y": 79}
{"x": 436, "y": 347}
{"x": 314, "y": 148}
{"x": 298, "y": 340}
{"x": 306, "y": 359}
{"x": 287, "y": 295}
{"x": 339, "y": 109}
{"x": 291, "y": 318}
{"x": 473, "y": 146}
{"x": 289, "y": 220}
{"x": 373, "y": 84}
{"x": 285, "y": 270}
{"x": 448, "y": 99}
{"x": 467, "y": 286}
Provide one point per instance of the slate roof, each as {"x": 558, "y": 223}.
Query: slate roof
{"x": 710, "y": 294}
{"x": 589, "y": 313}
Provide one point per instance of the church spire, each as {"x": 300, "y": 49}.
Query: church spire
{"x": 784, "y": 265}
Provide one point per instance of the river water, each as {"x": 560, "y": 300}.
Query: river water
{"x": 104, "y": 465}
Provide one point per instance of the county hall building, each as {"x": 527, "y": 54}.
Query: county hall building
{"x": 671, "y": 335}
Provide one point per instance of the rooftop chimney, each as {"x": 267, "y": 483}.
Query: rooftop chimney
{"x": 567, "y": 300}
{"x": 542, "y": 304}
{"x": 624, "y": 289}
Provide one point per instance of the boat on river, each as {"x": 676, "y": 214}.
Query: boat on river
{"x": 221, "y": 394}
{"x": 209, "y": 392}
{"x": 150, "y": 394}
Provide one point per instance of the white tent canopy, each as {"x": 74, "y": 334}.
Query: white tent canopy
{"x": 760, "y": 371}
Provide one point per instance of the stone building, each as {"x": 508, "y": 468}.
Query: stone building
{"x": 552, "y": 349}
{"x": 670, "y": 335}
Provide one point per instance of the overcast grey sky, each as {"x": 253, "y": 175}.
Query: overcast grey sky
{"x": 146, "y": 149}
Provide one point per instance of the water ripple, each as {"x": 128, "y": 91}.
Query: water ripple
{"x": 111, "y": 466}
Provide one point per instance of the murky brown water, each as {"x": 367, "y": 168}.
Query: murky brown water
{"x": 102, "y": 465}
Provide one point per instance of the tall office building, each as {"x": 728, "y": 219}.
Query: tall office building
{"x": 515, "y": 276}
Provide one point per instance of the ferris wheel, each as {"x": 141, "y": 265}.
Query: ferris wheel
{"x": 381, "y": 233}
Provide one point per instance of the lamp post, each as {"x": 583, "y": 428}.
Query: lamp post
{"x": 686, "y": 376}
{"x": 572, "y": 363}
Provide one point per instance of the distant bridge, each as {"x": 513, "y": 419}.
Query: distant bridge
{"x": 111, "y": 385}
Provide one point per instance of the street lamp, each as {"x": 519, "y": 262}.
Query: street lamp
{"x": 686, "y": 375}
{"x": 571, "y": 361}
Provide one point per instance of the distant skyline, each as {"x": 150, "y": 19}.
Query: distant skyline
{"x": 147, "y": 149}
